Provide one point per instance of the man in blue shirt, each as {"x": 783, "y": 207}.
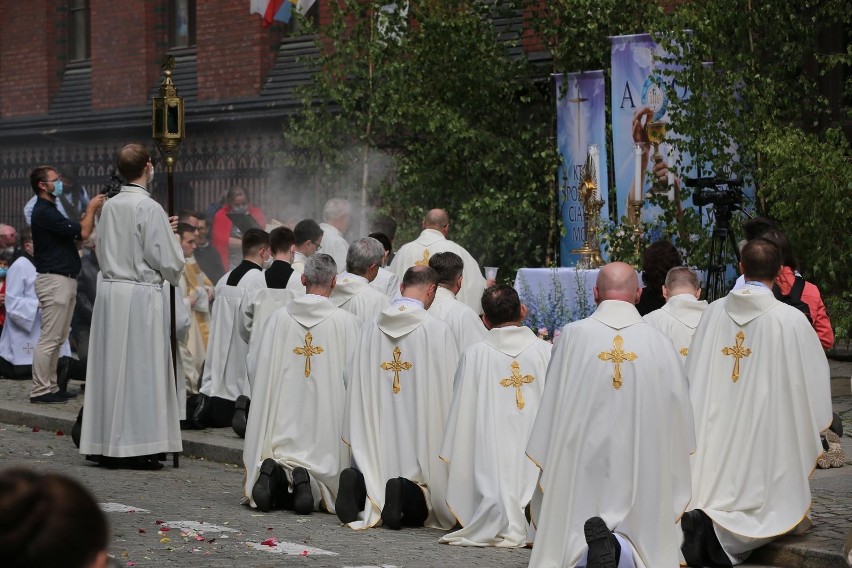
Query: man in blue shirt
{"x": 58, "y": 263}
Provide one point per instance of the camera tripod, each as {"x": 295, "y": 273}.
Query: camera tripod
{"x": 718, "y": 261}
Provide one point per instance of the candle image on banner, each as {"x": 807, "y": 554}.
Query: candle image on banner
{"x": 580, "y": 122}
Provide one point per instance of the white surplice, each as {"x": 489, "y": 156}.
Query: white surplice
{"x": 257, "y": 306}
{"x": 395, "y": 418}
{"x": 334, "y": 245}
{"x": 678, "y": 319}
{"x": 387, "y": 283}
{"x": 297, "y": 410}
{"x": 498, "y": 387}
{"x": 295, "y": 281}
{"x": 23, "y": 316}
{"x": 618, "y": 453}
{"x": 354, "y": 294}
{"x": 430, "y": 242}
{"x": 758, "y": 435}
{"x": 225, "y": 373}
{"x": 131, "y": 400}
{"x": 466, "y": 325}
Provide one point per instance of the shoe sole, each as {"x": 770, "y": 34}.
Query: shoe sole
{"x": 303, "y": 498}
{"x": 346, "y": 506}
{"x": 599, "y": 538}
{"x": 692, "y": 547}
{"x": 239, "y": 422}
{"x": 392, "y": 511}
{"x": 266, "y": 485}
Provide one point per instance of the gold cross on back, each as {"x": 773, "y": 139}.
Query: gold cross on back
{"x": 517, "y": 380}
{"x": 396, "y": 366}
{"x": 737, "y": 352}
{"x": 423, "y": 261}
{"x": 308, "y": 350}
{"x": 618, "y": 356}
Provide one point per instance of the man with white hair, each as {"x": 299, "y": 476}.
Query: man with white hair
{"x": 353, "y": 292}
{"x": 336, "y": 217}
{"x": 680, "y": 315}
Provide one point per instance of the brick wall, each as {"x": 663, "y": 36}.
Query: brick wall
{"x": 28, "y": 56}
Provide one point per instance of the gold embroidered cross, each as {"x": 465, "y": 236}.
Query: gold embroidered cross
{"x": 396, "y": 366}
{"x": 517, "y": 381}
{"x": 737, "y": 352}
{"x": 618, "y": 356}
{"x": 308, "y": 351}
{"x": 425, "y": 260}
{"x": 684, "y": 351}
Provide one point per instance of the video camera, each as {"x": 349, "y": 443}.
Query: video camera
{"x": 724, "y": 193}
{"x": 113, "y": 186}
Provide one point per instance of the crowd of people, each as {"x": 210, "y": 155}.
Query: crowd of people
{"x": 402, "y": 389}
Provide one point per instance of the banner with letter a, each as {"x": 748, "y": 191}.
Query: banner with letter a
{"x": 580, "y": 121}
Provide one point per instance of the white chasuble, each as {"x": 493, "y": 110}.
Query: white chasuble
{"x": 467, "y": 328}
{"x": 225, "y": 367}
{"x": 678, "y": 319}
{"x": 430, "y": 242}
{"x": 23, "y": 316}
{"x": 131, "y": 400}
{"x": 354, "y": 294}
{"x": 759, "y": 383}
{"x": 498, "y": 386}
{"x": 334, "y": 245}
{"x": 298, "y": 394}
{"x": 612, "y": 439}
{"x": 387, "y": 283}
{"x": 400, "y": 385}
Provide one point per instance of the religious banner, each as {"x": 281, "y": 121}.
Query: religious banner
{"x": 580, "y": 122}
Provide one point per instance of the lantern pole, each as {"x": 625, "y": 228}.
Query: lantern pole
{"x": 168, "y": 131}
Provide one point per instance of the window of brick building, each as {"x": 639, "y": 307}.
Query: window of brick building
{"x": 78, "y": 30}
{"x": 181, "y": 23}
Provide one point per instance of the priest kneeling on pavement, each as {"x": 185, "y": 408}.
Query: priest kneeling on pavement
{"x": 293, "y": 453}
{"x": 399, "y": 389}
{"x": 612, "y": 439}
{"x": 497, "y": 393}
{"x": 759, "y": 383}
{"x": 682, "y": 311}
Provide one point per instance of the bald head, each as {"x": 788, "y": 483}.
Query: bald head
{"x": 617, "y": 281}
{"x": 437, "y": 219}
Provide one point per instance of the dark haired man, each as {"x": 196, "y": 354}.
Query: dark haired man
{"x": 498, "y": 386}
{"x": 130, "y": 374}
{"x": 282, "y": 242}
{"x": 308, "y": 236}
{"x": 756, "y": 370}
{"x": 386, "y": 281}
{"x": 465, "y": 323}
{"x": 58, "y": 264}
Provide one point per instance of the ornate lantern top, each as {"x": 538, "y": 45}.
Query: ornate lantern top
{"x": 168, "y": 112}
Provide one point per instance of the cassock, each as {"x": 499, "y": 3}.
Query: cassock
{"x": 23, "y": 316}
{"x": 465, "y": 323}
{"x": 334, "y": 245}
{"x": 759, "y": 383}
{"x": 297, "y": 381}
{"x": 386, "y": 282}
{"x": 498, "y": 387}
{"x": 131, "y": 401}
{"x": 278, "y": 274}
{"x": 678, "y": 319}
{"x": 193, "y": 349}
{"x": 400, "y": 385}
{"x": 354, "y": 294}
{"x": 225, "y": 374}
{"x": 428, "y": 243}
{"x": 612, "y": 439}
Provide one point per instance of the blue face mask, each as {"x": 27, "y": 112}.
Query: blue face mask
{"x": 3, "y": 272}
{"x": 57, "y": 188}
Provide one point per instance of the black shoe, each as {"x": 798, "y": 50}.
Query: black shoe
{"x": 201, "y": 416}
{"x": 49, "y": 398}
{"x": 77, "y": 428}
{"x": 140, "y": 463}
{"x": 240, "y": 419}
{"x": 604, "y": 548}
{"x": 303, "y": 499}
{"x": 269, "y": 485}
{"x": 392, "y": 511}
{"x": 65, "y": 394}
{"x": 351, "y": 495}
{"x": 694, "y": 537}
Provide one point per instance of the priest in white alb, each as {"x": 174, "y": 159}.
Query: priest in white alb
{"x": 759, "y": 383}
{"x": 612, "y": 438}
{"x": 225, "y": 378}
{"x": 498, "y": 387}
{"x": 465, "y": 323}
{"x": 132, "y": 412}
{"x": 433, "y": 239}
{"x": 353, "y": 292}
{"x": 399, "y": 389}
{"x": 680, "y": 315}
{"x": 293, "y": 453}
{"x": 336, "y": 215}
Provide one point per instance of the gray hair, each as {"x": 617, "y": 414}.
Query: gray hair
{"x": 362, "y": 253}
{"x": 682, "y": 277}
{"x": 320, "y": 269}
{"x": 335, "y": 208}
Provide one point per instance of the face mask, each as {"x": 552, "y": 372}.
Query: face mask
{"x": 3, "y": 272}
{"x": 240, "y": 209}
{"x": 268, "y": 262}
{"x": 57, "y": 188}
